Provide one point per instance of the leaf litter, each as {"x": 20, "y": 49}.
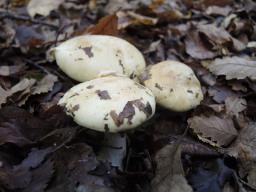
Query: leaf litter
{"x": 41, "y": 149}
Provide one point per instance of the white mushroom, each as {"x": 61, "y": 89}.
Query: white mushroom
{"x": 85, "y": 57}
{"x": 113, "y": 103}
{"x": 174, "y": 85}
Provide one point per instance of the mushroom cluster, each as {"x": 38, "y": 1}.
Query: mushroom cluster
{"x": 109, "y": 97}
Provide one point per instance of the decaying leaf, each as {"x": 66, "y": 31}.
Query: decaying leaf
{"x": 196, "y": 48}
{"x": 42, "y": 7}
{"x": 106, "y": 26}
{"x": 20, "y": 127}
{"x": 234, "y": 68}
{"x": 244, "y": 149}
{"x": 45, "y": 85}
{"x": 210, "y": 176}
{"x": 169, "y": 173}
{"x": 219, "y": 37}
{"x": 10, "y": 70}
{"x": 22, "y": 176}
{"x": 213, "y": 130}
{"x": 74, "y": 162}
{"x": 235, "y": 105}
{"x": 3, "y": 96}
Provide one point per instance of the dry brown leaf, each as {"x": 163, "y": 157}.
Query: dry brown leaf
{"x": 128, "y": 18}
{"x": 196, "y": 48}
{"x": 213, "y": 130}
{"x": 215, "y": 10}
{"x": 42, "y": 7}
{"x": 244, "y": 149}
{"x": 234, "y": 68}
{"x": 220, "y": 37}
{"x": 3, "y": 96}
{"x": 106, "y": 26}
{"x": 45, "y": 85}
{"x": 169, "y": 172}
{"x": 22, "y": 85}
{"x": 235, "y": 105}
{"x": 206, "y": 3}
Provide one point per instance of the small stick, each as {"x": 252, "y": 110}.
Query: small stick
{"x": 10, "y": 15}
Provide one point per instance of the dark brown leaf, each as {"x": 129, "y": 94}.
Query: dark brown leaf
{"x": 213, "y": 130}
{"x": 169, "y": 173}
{"x": 196, "y": 48}
{"x": 74, "y": 162}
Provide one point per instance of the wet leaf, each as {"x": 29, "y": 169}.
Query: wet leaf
{"x": 235, "y": 105}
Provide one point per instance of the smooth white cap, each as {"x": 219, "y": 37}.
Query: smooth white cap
{"x": 174, "y": 85}
{"x": 112, "y": 103}
{"x": 83, "y": 58}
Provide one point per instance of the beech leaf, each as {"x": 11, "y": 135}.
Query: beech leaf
{"x": 213, "y": 130}
{"x": 234, "y": 68}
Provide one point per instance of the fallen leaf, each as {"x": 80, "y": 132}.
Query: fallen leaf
{"x": 74, "y": 162}
{"x": 234, "y": 68}
{"x": 42, "y": 7}
{"x": 22, "y": 85}
{"x": 10, "y": 70}
{"x": 220, "y": 38}
{"x": 34, "y": 158}
{"x": 210, "y": 176}
{"x": 235, "y": 105}
{"x": 252, "y": 177}
{"x": 206, "y": 3}
{"x": 3, "y": 96}
{"x": 22, "y": 176}
{"x": 7, "y": 34}
{"x": 27, "y": 37}
{"x": 169, "y": 172}
{"x": 216, "y": 10}
{"x": 45, "y": 85}
{"x": 115, "y": 5}
{"x": 129, "y": 18}
{"x": 40, "y": 177}
{"x": 106, "y": 26}
{"x": 213, "y": 130}
{"x": 20, "y": 127}
{"x": 220, "y": 93}
{"x": 244, "y": 149}
{"x": 196, "y": 48}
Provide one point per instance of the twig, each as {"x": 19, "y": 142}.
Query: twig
{"x": 10, "y": 15}
{"x": 36, "y": 64}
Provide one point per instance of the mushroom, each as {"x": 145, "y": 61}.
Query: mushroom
{"x": 112, "y": 103}
{"x": 174, "y": 85}
{"x": 83, "y": 58}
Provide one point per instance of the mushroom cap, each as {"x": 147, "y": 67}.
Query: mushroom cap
{"x": 174, "y": 85}
{"x": 83, "y": 58}
{"x": 112, "y": 103}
